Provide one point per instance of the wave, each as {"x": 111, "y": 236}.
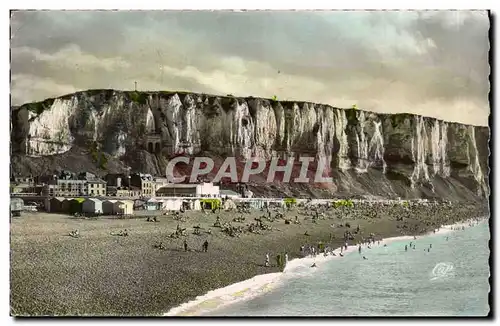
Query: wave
{"x": 298, "y": 267}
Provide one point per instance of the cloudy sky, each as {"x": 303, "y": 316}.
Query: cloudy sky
{"x": 431, "y": 63}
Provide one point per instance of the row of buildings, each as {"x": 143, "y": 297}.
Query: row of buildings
{"x": 67, "y": 184}
{"x": 129, "y": 207}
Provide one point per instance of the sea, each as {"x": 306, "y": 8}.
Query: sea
{"x": 441, "y": 274}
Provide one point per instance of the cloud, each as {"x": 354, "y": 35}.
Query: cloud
{"x": 432, "y": 63}
{"x": 28, "y": 86}
{"x": 71, "y": 57}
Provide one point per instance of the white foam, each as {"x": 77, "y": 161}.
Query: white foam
{"x": 228, "y": 295}
{"x": 298, "y": 267}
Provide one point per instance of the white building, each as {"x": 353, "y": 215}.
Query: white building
{"x": 92, "y": 205}
{"x": 207, "y": 190}
{"x": 161, "y": 182}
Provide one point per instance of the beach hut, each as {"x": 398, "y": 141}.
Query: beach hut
{"x": 92, "y": 205}
{"x": 124, "y": 207}
{"x": 75, "y": 205}
{"x": 54, "y": 204}
{"x": 16, "y": 206}
{"x": 65, "y": 205}
{"x": 108, "y": 207}
{"x": 152, "y": 205}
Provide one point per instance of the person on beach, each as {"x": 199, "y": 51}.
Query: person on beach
{"x": 313, "y": 265}
{"x": 359, "y": 249}
{"x": 406, "y": 247}
{"x": 185, "y": 245}
{"x": 205, "y": 246}
{"x": 279, "y": 261}
{"x": 267, "y": 260}
{"x": 430, "y": 245}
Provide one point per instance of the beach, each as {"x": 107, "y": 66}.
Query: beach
{"x": 103, "y": 274}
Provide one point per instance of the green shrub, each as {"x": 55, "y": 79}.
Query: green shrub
{"x": 343, "y": 203}
{"x": 103, "y": 162}
{"x": 95, "y": 156}
{"x": 352, "y": 116}
{"x": 39, "y": 107}
{"x": 139, "y": 98}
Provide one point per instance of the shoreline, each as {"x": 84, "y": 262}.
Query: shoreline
{"x": 217, "y": 299}
{"x": 103, "y": 275}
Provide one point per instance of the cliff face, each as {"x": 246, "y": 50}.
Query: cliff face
{"x": 400, "y": 155}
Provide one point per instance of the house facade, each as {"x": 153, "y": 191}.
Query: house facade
{"x": 72, "y": 187}
{"x": 145, "y": 182}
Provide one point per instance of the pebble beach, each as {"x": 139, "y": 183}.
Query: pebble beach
{"x": 148, "y": 272}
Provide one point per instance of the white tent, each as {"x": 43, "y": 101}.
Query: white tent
{"x": 173, "y": 204}
{"x": 229, "y": 205}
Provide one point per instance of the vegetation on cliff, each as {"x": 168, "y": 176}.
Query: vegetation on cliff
{"x": 138, "y": 97}
{"x": 98, "y": 157}
{"x": 39, "y": 107}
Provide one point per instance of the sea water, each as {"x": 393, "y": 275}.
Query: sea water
{"x": 449, "y": 280}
